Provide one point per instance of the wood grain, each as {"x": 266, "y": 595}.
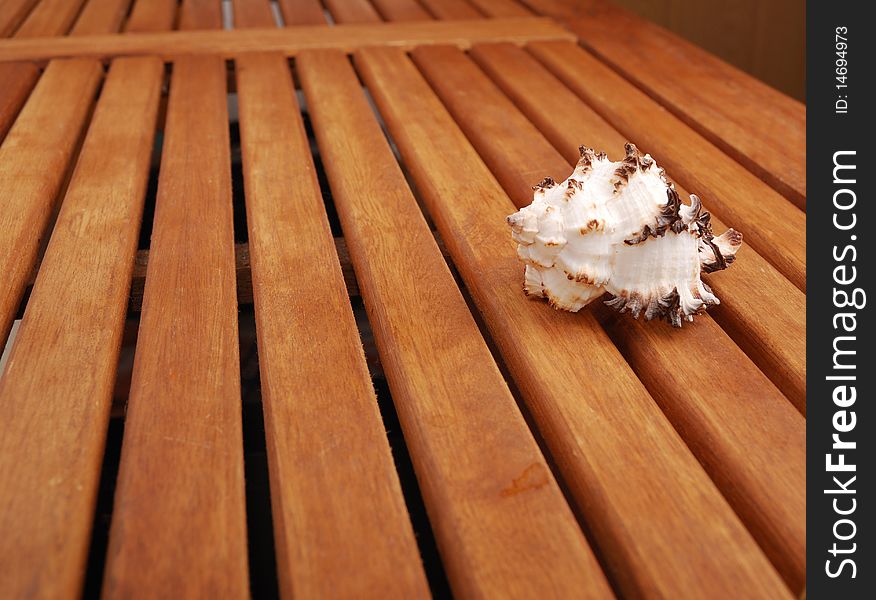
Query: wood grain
{"x": 774, "y": 333}
{"x": 50, "y": 17}
{"x": 352, "y": 11}
{"x": 601, "y": 426}
{"x": 402, "y": 10}
{"x": 252, "y": 14}
{"x": 771, "y": 224}
{"x": 151, "y": 15}
{"x": 757, "y": 125}
{"x": 501, "y": 8}
{"x": 760, "y": 469}
{"x": 502, "y": 525}
{"x": 451, "y": 9}
{"x": 101, "y": 16}
{"x": 200, "y": 14}
{"x": 13, "y": 13}
{"x": 181, "y": 471}
{"x": 302, "y": 12}
{"x": 18, "y": 81}
{"x": 340, "y": 521}
{"x": 56, "y": 392}
{"x": 171, "y": 44}
{"x": 34, "y": 159}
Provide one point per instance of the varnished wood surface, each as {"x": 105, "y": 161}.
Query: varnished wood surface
{"x": 290, "y": 41}
{"x": 34, "y": 161}
{"x": 252, "y": 14}
{"x": 602, "y": 428}
{"x": 757, "y": 125}
{"x": 19, "y": 79}
{"x": 56, "y": 391}
{"x": 692, "y": 373}
{"x": 50, "y": 17}
{"x": 503, "y": 527}
{"x": 302, "y": 12}
{"x": 337, "y": 504}
{"x": 100, "y": 16}
{"x": 183, "y": 425}
{"x": 761, "y": 309}
{"x": 151, "y": 15}
{"x": 13, "y": 13}
{"x": 772, "y": 225}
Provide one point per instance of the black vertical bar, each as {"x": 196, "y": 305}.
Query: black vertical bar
{"x": 840, "y": 256}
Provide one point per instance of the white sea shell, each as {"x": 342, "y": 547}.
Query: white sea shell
{"x": 620, "y": 227}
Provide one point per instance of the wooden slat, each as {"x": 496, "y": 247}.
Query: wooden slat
{"x": 56, "y": 392}
{"x": 698, "y": 393}
{"x": 33, "y": 166}
{"x": 402, "y": 10}
{"x": 775, "y": 338}
{"x": 291, "y": 40}
{"x": 101, "y": 16}
{"x": 151, "y": 15}
{"x": 249, "y": 14}
{"x": 50, "y": 17}
{"x": 771, "y": 224}
{"x": 501, "y": 8}
{"x": 302, "y": 12}
{"x": 340, "y": 521}
{"x": 179, "y": 523}
{"x": 451, "y": 9}
{"x": 12, "y": 14}
{"x": 200, "y": 14}
{"x": 603, "y": 429}
{"x": 352, "y": 11}
{"x": 18, "y": 80}
{"x": 503, "y": 527}
{"x": 759, "y": 126}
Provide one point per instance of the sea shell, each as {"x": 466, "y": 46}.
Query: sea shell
{"x": 620, "y": 228}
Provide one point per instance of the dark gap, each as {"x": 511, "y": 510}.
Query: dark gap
{"x": 104, "y": 508}
{"x": 154, "y": 167}
{"x": 32, "y": 8}
{"x": 75, "y": 19}
{"x": 413, "y": 498}
{"x": 241, "y": 233}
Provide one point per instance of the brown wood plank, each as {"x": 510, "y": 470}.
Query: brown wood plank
{"x": 200, "y": 14}
{"x": 183, "y": 446}
{"x": 18, "y": 81}
{"x": 771, "y": 224}
{"x": 757, "y": 125}
{"x": 402, "y": 10}
{"x": 290, "y": 40}
{"x": 56, "y": 392}
{"x": 12, "y": 15}
{"x": 776, "y": 338}
{"x": 451, "y": 9}
{"x": 501, "y": 8}
{"x": 503, "y": 527}
{"x": 340, "y": 520}
{"x": 352, "y": 11}
{"x": 151, "y": 15}
{"x": 33, "y": 166}
{"x": 249, "y": 14}
{"x": 602, "y": 427}
{"x": 101, "y": 16}
{"x": 302, "y": 12}
{"x": 760, "y": 469}
{"x": 50, "y": 17}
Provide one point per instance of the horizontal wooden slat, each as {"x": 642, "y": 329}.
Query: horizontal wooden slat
{"x": 18, "y": 80}
{"x": 603, "y": 429}
{"x": 711, "y": 413}
{"x": 179, "y": 522}
{"x": 56, "y": 393}
{"x": 759, "y": 126}
{"x": 502, "y": 525}
{"x": 775, "y": 338}
{"x": 34, "y": 159}
{"x": 771, "y": 224}
{"x": 340, "y": 522}
{"x": 289, "y": 41}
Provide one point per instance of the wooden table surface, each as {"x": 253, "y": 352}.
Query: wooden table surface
{"x": 185, "y": 186}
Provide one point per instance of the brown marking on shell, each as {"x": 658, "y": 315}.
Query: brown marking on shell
{"x": 544, "y": 184}
{"x": 629, "y": 165}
